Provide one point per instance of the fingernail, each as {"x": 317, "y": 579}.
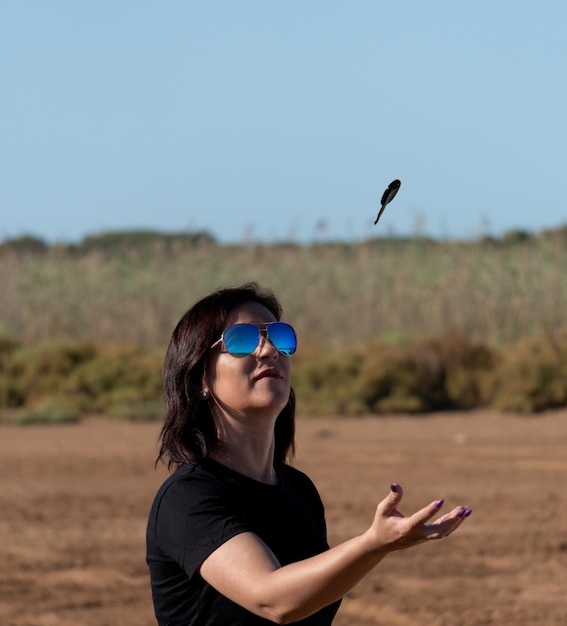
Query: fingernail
{"x": 468, "y": 512}
{"x": 394, "y": 488}
{"x": 463, "y": 512}
{"x": 439, "y": 503}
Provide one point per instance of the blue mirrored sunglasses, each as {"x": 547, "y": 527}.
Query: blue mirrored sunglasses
{"x": 242, "y": 339}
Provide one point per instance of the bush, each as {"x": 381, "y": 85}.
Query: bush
{"x": 32, "y": 372}
{"x": 51, "y": 413}
{"x": 58, "y": 382}
{"x": 24, "y": 244}
{"x": 8, "y": 393}
{"x": 532, "y": 376}
{"x": 116, "y": 375}
{"x": 324, "y": 382}
{"x": 88, "y": 378}
{"x": 432, "y": 375}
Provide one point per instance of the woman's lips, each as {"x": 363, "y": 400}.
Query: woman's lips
{"x": 269, "y": 373}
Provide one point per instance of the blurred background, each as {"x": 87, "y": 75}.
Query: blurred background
{"x": 255, "y": 120}
{"x": 153, "y": 152}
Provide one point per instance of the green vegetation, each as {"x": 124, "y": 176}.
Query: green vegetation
{"x": 49, "y": 414}
{"x": 385, "y": 325}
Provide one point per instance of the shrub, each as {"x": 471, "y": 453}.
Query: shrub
{"x": 24, "y": 244}
{"x": 8, "y": 394}
{"x": 59, "y": 381}
{"x": 324, "y": 381}
{"x": 432, "y": 375}
{"x": 89, "y": 379}
{"x": 532, "y": 376}
{"x": 33, "y": 372}
{"x": 117, "y": 375}
{"x": 50, "y": 413}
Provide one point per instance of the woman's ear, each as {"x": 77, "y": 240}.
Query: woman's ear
{"x": 205, "y": 386}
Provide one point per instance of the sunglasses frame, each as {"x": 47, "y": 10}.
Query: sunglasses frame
{"x": 263, "y": 331}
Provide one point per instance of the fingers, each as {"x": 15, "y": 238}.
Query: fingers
{"x": 462, "y": 512}
{"x": 447, "y": 524}
{"x": 397, "y": 489}
{"x": 397, "y": 532}
{"x": 427, "y": 512}
{"x": 443, "y": 526}
{"x": 461, "y": 516}
{"x": 390, "y": 503}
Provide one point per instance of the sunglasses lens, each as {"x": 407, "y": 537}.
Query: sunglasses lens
{"x": 283, "y": 337}
{"x": 241, "y": 339}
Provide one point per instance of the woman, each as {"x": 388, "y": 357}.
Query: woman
{"x": 236, "y": 536}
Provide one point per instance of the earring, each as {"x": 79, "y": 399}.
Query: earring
{"x": 204, "y": 393}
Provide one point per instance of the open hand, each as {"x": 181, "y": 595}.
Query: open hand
{"x": 393, "y": 531}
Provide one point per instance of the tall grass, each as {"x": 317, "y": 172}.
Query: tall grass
{"x": 334, "y": 293}
{"x": 404, "y": 325}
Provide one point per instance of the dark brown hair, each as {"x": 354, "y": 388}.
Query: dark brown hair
{"x": 189, "y": 432}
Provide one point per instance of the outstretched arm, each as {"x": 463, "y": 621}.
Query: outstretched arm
{"x": 245, "y": 570}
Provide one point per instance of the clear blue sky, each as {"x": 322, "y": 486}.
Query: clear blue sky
{"x": 267, "y": 120}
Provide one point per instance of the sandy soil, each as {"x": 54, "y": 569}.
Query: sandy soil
{"x": 74, "y": 500}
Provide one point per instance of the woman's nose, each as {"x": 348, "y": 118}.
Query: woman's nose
{"x": 266, "y": 347}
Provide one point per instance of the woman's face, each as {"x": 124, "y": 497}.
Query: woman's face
{"x": 255, "y": 384}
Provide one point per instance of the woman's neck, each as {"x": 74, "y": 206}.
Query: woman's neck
{"x": 247, "y": 448}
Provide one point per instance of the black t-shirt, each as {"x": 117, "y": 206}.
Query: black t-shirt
{"x": 197, "y": 509}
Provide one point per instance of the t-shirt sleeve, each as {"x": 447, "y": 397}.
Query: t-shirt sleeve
{"x": 195, "y": 516}
{"x": 306, "y": 486}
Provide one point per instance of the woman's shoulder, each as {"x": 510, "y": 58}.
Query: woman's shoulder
{"x": 188, "y": 478}
{"x": 208, "y": 477}
{"x": 297, "y": 477}
{"x": 294, "y": 473}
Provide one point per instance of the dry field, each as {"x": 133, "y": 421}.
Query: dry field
{"x": 74, "y": 500}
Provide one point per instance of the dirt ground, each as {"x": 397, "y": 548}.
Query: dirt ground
{"x": 74, "y": 501}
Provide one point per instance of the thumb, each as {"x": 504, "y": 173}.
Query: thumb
{"x": 390, "y": 503}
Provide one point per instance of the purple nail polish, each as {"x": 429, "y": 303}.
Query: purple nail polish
{"x": 463, "y": 512}
{"x": 468, "y": 512}
{"x": 439, "y": 503}
{"x": 394, "y": 488}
